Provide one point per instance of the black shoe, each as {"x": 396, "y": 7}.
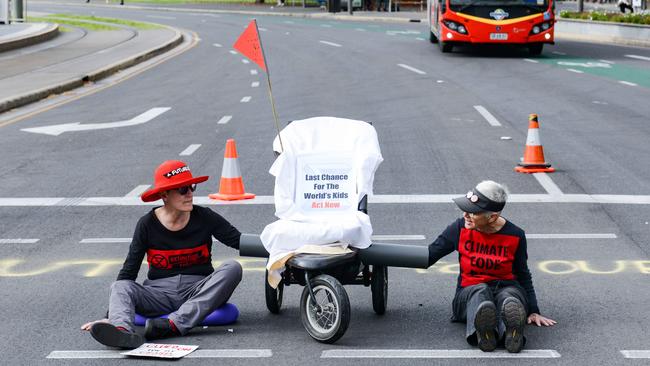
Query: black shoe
{"x": 158, "y": 328}
{"x": 485, "y": 323}
{"x": 514, "y": 317}
{"x": 108, "y": 335}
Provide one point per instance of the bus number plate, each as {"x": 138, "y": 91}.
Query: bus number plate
{"x": 499, "y": 36}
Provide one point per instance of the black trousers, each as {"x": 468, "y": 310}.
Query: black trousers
{"x": 468, "y": 299}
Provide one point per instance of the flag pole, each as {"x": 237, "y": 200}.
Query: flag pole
{"x": 268, "y": 82}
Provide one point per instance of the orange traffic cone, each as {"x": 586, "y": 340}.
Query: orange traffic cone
{"x": 231, "y": 187}
{"x": 534, "y": 153}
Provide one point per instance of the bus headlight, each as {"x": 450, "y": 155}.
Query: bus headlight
{"x": 455, "y": 26}
{"x": 542, "y": 27}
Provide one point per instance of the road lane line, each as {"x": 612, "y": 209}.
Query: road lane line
{"x": 360, "y": 29}
{"x": 638, "y": 57}
{"x": 190, "y": 150}
{"x": 411, "y": 68}
{"x": 253, "y": 72}
{"x": 379, "y": 199}
{"x": 627, "y": 83}
{"x": 330, "y": 43}
{"x": 255, "y": 84}
{"x": 245, "y": 61}
{"x": 160, "y": 17}
{"x": 200, "y": 353}
{"x": 263, "y": 29}
{"x": 487, "y": 115}
{"x": 576, "y": 71}
{"x": 104, "y": 240}
{"x": 531, "y": 60}
{"x": 137, "y": 191}
{"x": 420, "y": 38}
{"x": 224, "y": 120}
{"x": 572, "y": 236}
{"x": 245, "y": 99}
{"x": 433, "y": 353}
{"x": 19, "y": 241}
{"x": 559, "y": 53}
{"x": 548, "y": 184}
{"x": 217, "y": 45}
{"x": 233, "y": 52}
{"x": 326, "y": 25}
{"x": 398, "y": 237}
{"x": 608, "y": 62}
{"x": 636, "y": 353}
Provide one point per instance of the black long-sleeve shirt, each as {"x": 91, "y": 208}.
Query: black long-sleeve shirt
{"x": 186, "y": 251}
{"x": 484, "y": 258}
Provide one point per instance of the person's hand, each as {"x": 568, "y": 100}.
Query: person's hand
{"x": 87, "y": 326}
{"x": 535, "y": 318}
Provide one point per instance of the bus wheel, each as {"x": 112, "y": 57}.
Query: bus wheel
{"x": 535, "y": 49}
{"x": 445, "y": 47}
{"x": 432, "y": 37}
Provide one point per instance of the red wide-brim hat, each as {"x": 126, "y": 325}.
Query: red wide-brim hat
{"x": 169, "y": 175}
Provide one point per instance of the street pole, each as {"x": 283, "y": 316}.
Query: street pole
{"x": 350, "y": 7}
{"x": 581, "y": 6}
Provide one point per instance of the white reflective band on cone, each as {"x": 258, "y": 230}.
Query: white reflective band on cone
{"x": 230, "y": 168}
{"x": 533, "y": 137}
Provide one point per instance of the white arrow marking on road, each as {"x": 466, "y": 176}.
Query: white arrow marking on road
{"x": 56, "y": 130}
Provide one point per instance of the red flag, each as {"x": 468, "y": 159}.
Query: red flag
{"x": 249, "y": 45}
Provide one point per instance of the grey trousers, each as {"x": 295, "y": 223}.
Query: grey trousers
{"x": 188, "y": 299}
{"x": 468, "y": 299}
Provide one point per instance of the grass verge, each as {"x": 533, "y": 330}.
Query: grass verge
{"x": 128, "y": 23}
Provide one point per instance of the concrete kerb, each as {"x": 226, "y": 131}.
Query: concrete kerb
{"x": 603, "y": 32}
{"x": 36, "y": 95}
{"x": 41, "y": 36}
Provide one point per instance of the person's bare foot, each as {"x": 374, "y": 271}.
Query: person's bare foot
{"x": 87, "y": 326}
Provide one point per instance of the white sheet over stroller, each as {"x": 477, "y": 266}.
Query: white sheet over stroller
{"x": 326, "y": 168}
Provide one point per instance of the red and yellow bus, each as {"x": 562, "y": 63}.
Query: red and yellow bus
{"x": 527, "y": 23}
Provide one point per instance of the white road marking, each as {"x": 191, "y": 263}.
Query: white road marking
{"x": 636, "y": 353}
{"x": 245, "y": 61}
{"x": 200, "y": 353}
{"x": 599, "y": 102}
{"x": 253, "y": 72}
{"x": 104, "y": 240}
{"x": 572, "y": 236}
{"x": 224, "y": 120}
{"x": 160, "y": 17}
{"x": 263, "y": 29}
{"x": 411, "y": 68}
{"x": 398, "y": 237}
{"x": 289, "y": 22}
{"x": 137, "y": 191}
{"x": 419, "y": 38}
{"x": 56, "y": 130}
{"x": 440, "y": 81}
{"x": 638, "y": 57}
{"x": 531, "y": 60}
{"x": 330, "y": 43}
{"x": 378, "y": 199}
{"x": 326, "y": 25}
{"x": 548, "y": 184}
{"x": 433, "y": 353}
{"x": 559, "y": 53}
{"x": 245, "y": 99}
{"x": 627, "y": 83}
{"x": 190, "y": 150}
{"x": 217, "y": 45}
{"x": 576, "y": 71}
{"x": 506, "y": 138}
{"x": 18, "y": 241}
{"x": 607, "y": 62}
{"x": 233, "y": 52}
{"x": 487, "y": 115}
{"x": 360, "y": 29}
{"x": 255, "y": 84}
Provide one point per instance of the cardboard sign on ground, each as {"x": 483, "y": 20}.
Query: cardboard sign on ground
{"x": 157, "y": 350}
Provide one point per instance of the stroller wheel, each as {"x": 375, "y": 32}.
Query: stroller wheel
{"x": 273, "y": 295}
{"x": 327, "y": 320}
{"x": 379, "y": 288}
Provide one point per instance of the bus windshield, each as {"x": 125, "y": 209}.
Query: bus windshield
{"x": 533, "y": 3}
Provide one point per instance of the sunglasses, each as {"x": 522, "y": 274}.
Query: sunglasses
{"x": 184, "y": 190}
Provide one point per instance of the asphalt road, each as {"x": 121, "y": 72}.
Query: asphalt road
{"x": 434, "y": 141}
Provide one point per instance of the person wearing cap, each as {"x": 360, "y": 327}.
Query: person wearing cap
{"x": 177, "y": 241}
{"x": 495, "y": 294}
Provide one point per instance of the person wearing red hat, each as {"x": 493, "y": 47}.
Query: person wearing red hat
{"x": 177, "y": 241}
{"x": 495, "y": 294}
